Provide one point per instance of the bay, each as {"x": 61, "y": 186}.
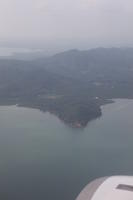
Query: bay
{"x": 42, "y": 158}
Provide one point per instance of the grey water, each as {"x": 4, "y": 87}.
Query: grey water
{"x": 42, "y": 158}
{"x": 5, "y": 51}
{"x": 9, "y": 52}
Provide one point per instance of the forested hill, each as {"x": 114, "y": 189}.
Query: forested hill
{"x": 71, "y": 85}
{"x": 92, "y": 64}
{"x": 37, "y": 88}
{"x": 107, "y": 72}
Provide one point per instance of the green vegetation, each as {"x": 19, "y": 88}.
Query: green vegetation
{"x": 72, "y": 85}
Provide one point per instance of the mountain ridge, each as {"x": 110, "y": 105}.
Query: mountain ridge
{"x": 72, "y": 85}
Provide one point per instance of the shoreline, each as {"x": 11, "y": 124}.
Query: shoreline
{"x": 71, "y": 123}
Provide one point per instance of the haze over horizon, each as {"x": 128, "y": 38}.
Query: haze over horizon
{"x": 66, "y": 24}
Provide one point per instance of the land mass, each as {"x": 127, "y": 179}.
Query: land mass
{"x": 72, "y": 85}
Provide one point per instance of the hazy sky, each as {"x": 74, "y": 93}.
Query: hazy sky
{"x": 68, "y": 23}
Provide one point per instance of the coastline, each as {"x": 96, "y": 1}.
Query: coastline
{"x": 79, "y": 124}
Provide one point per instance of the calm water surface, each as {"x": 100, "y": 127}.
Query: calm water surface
{"x": 5, "y": 51}
{"x": 43, "y": 159}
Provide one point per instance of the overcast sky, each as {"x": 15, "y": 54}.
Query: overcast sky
{"x": 67, "y": 23}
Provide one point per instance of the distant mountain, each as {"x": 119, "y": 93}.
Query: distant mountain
{"x": 95, "y": 64}
{"x": 72, "y": 85}
{"x": 108, "y": 71}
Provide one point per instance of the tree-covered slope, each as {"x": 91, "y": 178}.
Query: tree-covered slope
{"x": 72, "y": 84}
